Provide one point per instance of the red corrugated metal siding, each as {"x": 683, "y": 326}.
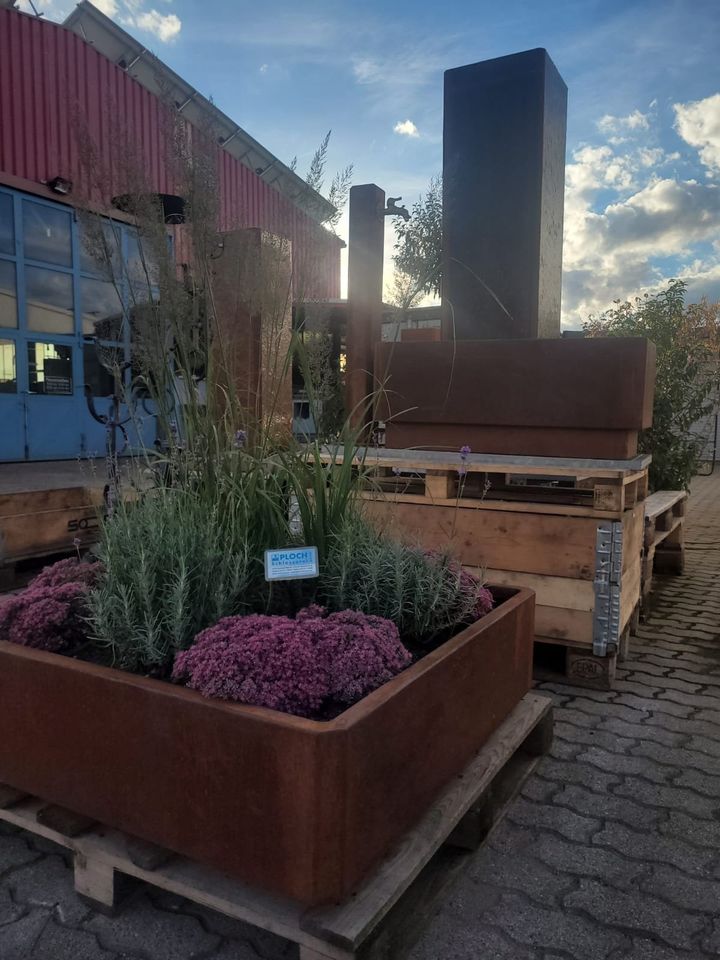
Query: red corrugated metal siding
{"x": 49, "y": 75}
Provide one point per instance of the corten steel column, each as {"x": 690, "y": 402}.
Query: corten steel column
{"x": 503, "y": 185}
{"x": 365, "y": 284}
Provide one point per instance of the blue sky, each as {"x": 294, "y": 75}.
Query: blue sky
{"x": 643, "y": 175}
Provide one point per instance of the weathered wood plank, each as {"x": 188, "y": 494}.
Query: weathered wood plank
{"x": 493, "y": 463}
{"x": 566, "y": 592}
{"x": 534, "y": 543}
{"x": 45, "y": 533}
{"x": 495, "y": 503}
{"x": 557, "y": 623}
{"x": 663, "y": 500}
{"x": 31, "y": 502}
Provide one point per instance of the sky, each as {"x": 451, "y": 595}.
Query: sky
{"x": 642, "y": 199}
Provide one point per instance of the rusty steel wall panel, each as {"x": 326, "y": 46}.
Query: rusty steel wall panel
{"x": 49, "y": 77}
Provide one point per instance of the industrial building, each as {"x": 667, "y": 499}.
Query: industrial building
{"x": 89, "y": 74}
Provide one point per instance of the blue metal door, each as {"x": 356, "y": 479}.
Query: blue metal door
{"x": 12, "y": 403}
{"x": 63, "y": 318}
{"x": 53, "y": 419}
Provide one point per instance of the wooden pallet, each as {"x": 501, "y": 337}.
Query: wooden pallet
{"x": 663, "y": 544}
{"x": 555, "y": 555}
{"x": 381, "y": 918}
{"x": 578, "y": 665}
{"x": 41, "y": 524}
{"x": 597, "y": 488}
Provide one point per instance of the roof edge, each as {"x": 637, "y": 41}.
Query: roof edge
{"x": 90, "y": 23}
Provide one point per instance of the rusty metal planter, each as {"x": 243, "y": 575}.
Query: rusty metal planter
{"x": 299, "y": 807}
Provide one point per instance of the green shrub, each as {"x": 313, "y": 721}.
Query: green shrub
{"x": 190, "y": 551}
{"x": 686, "y": 389}
{"x": 425, "y": 594}
{"x": 175, "y": 563}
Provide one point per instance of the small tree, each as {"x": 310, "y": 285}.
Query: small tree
{"x": 403, "y": 293}
{"x": 418, "y": 247}
{"x": 688, "y": 374}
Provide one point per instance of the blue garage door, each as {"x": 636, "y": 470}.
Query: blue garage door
{"x": 64, "y": 295}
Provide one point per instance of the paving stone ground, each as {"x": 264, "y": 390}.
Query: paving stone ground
{"x": 611, "y": 852}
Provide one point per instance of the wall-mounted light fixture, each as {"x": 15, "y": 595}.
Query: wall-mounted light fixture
{"x": 60, "y": 185}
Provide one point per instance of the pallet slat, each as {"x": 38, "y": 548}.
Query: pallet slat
{"x": 663, "y": 540}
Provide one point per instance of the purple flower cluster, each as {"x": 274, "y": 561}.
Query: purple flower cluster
{"x": 304, "y": 666}
{"x": 48, "y": 614}
{"x": 484, "y": 601}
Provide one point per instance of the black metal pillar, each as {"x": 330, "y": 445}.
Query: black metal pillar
{"x": 365, "y": 284}
{"x": 503, "y": 185}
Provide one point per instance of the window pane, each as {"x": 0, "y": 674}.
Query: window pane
{"x": 100, "y": 247}
{"x": 102, "y": 312}
{"x": 99, "y": 365}
{"x": 8, "y": 376}
{"x": 142, "y": 269}
{"x": 47, "y": 234}
{"x": 7, "y": 230}
{"x": 49, "y": 301}
{"x": 8, "y": 295}
{"x": 50, "y": 369}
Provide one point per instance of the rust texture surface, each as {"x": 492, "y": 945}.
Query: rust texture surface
{"x": 299, "y": 807}
{"x": 573, "y": 398}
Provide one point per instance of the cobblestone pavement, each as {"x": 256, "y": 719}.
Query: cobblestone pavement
{"x": 611, "y": 852}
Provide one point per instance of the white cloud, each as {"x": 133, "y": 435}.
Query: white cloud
{"x": 698, "y": 123}
{"x": 626, "y": 215}
{"x": 406, "y": 128}
{"x": 166, "y": 27}
{"x": 633, "y": 121}
{"x": 108, "y": 7}
{"x": 264, "y": 67}
{"x": 366, "y": 71}
{"x": 129, "y": 13}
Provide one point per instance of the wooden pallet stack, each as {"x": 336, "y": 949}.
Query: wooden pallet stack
{"x": 572, "y": 530}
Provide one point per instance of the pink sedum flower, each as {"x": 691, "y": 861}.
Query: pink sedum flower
{"x": 302, "y": 666}
{"x": 49, "y": 613}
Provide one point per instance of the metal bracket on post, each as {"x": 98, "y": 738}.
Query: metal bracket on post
{"x": 607, "y": 584}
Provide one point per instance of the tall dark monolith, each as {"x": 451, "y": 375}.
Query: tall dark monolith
{"x": 503, "y": 184}
{"x": 365, "y": 285}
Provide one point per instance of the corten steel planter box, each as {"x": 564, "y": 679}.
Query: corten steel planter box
{"x": 585, "y": 398}
{"x": 299, "y": 807}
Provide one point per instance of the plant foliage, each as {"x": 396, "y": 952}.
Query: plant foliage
{"x": 425, "y": 594}
{"x": 418, "y": 247}
{"x": 311, "y": 666}
{"x": 50, "y": 613}
{"x": 687, "y": 338}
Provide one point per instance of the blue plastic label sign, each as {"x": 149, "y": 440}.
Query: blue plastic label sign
{"x": 292, "y": 563}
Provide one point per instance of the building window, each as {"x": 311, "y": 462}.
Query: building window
{"x": 102, "y": 309}
{"x": 7, "y": 228}
{"x": 49, "y": 301}
{"x": 8, "y": 294}
{"x": 67, "y": 274}
{"x": 50, "y": 369}
{"x": 101, "y": 363}
{"x": 100, "y": 247}
{"x": 47, "y": 234}
{"x": 8, "y": 374}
